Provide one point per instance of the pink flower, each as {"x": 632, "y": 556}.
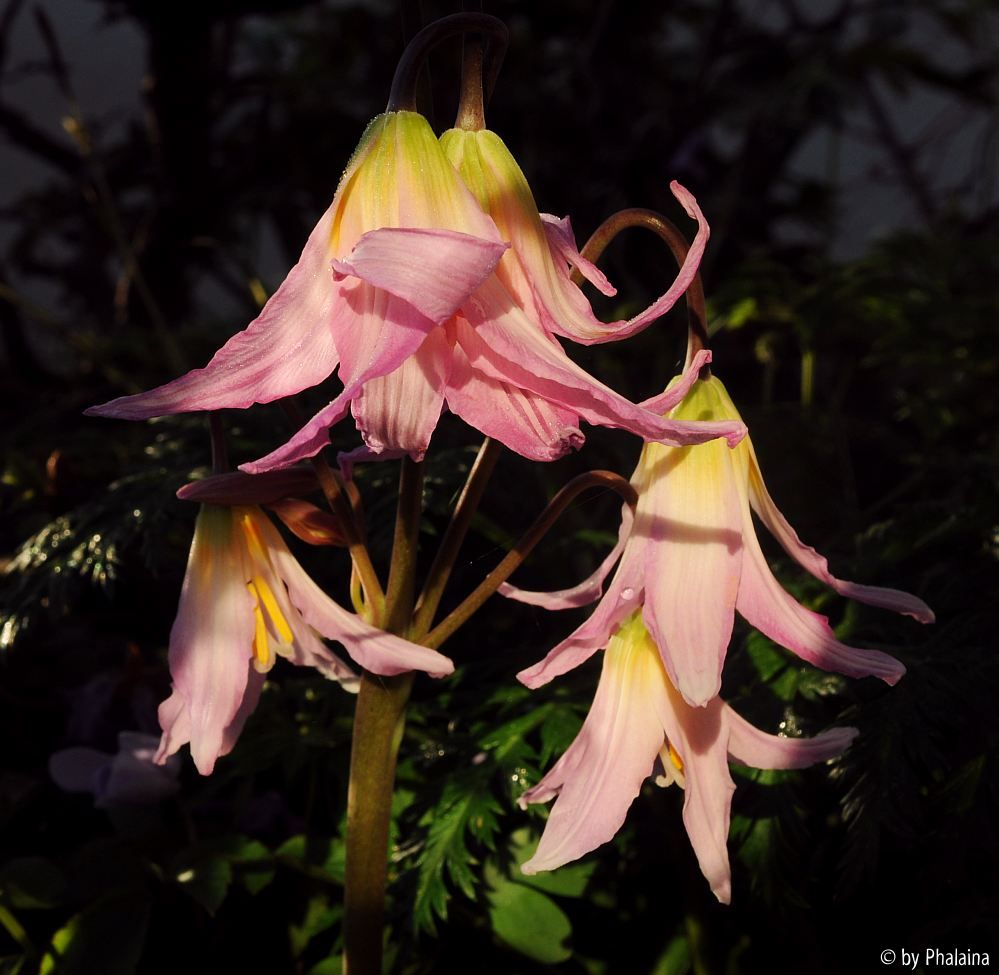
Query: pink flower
{"x": 692, "y": 559}
{"x": 395, "y": 290}
{"x": 637, "y": 716}
{"x": 245, "y": 601}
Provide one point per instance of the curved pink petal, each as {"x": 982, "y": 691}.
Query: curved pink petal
{"x": 523, "y": 421}
{"x": 678, "y": 389}
{"x": 585, "y": 592}
{"x": 307, "y": 442}
{"x": 765, "y": 605}
{"x": 434, "y": 271}
{"x": 375, "y": 650}
{"x": 562, "y": 241}
{"x": 500, "y": 341}
{"x": 564, "y": 315}
{"x": 602, "y": 772}
{"x": 210, "y": 646}
{"x": 234, "y": 487}
{"x": 399, "y": 411}
{"x": 690, "y": 515}
{"x": 623, "y": 596}
{"x": 750, "y": 746}
{"x": 816, "y": 564}
{"x": 287, "y": 348}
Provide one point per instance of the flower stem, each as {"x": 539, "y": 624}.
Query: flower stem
{"x": 697, "y": 329}
{"x": 454, "y": 535}
{"x": 379, "y": 720}
{"x": 584, "y": 482}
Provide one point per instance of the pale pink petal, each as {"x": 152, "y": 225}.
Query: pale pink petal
{"x": 400, "y": 411}
{"x": 750, "y": 746}
{"x": 562, "y": 241}
{"x": 678, "y": 389}
{"x": 690, "y": 513}
{"x": 525, "y": 422}
{"x": 501, "y": 342}
{"x": 307, "y": 442}
{"x": 374, "y": 649}
{"x": 210, "y": 642}
{"x": 287, "y": 348}
{"x": 307, "y": 522}
{"x": 699, "y": 736}
{"x": 622, "y": 597}
{"x": 602, "y": 772}
{"x": 765, "y": 605}
{"x": 585, "y": 592}
{"x": 254, "y": 685}
{"x": 816, "y": 564}
{"x": 432, "y": 270}
{"x": 564, "y": 315}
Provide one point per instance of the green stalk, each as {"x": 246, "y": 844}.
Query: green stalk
{"x": 379, "y": 720}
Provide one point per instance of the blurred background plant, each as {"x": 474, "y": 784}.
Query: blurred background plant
{"x": 163, "y": 165}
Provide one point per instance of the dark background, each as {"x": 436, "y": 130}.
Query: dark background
{"x": 162, "y": 166}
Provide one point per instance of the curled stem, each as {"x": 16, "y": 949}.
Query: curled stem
{"x": 402, "y": 97}
{"x": 584, "y": 482}
{"x": 666, "y": 230}
{"x": 454, "y": 535}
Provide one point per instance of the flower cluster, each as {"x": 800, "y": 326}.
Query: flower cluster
{"x": 433, "y": 283}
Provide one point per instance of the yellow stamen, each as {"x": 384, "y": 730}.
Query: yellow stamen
{"x": 262, "y": 658}
{"x": 674, "y": 757}
{"x": 273, "y": 610}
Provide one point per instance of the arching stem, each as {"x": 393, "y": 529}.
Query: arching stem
{"x": 697, "y": 329}
{"x": 542, "y": 524}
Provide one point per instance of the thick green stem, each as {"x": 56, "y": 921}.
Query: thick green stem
{"x": 457, "y": 529}
{"x": 460, "y": 615}
{"x": 697, "y": 328}
{"x": 379, "y": 720}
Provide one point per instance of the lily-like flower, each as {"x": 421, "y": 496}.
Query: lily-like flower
{"x": 536, "y": 269}
{"x": 246, "y": 600}
{"x": 692, "y": 559}
{"x": 636, "y": 718}
{"x": 395, "y": 290}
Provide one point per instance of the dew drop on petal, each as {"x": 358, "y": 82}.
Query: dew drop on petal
{"x": 628, "y": 593}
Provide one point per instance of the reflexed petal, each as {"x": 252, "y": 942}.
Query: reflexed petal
{"x": 585, "y": 592}
{"x": 816, "y": 564}
{"x": 307, "y": 442}
{"x": 287, "y": 348}
{"x": 235, "y": 487}
{"x": 307, "y": 522}
{"x": 679, "y": 387}
{"x": 499, "y": 340}
{"x": 690, "y": 514}
{"x": 374, "y": 649}
{"x": 432, "y": 270}
{"x": 599, "y": 776}
{"x": 400, "y": 411}
{"x": 622, "y": 597}
{"x": 525, "y": 422}
{"x": 562, "y": 241}
{"x": 765, "y": 605}
{"x": 750, "y": 746}
{"x": 210, "y": 645}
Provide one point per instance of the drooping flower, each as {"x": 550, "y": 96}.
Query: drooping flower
{"x": 536, "y": 269}
{"x": 246, "y": 600}
{"x": 395, "y": 290}
{"x": 637, "y": 717}
{"x": 692, "y": 559}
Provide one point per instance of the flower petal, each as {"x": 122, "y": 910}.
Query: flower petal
{"x": 690, "y": 516}
{"x": 585, "y": 592}
{"x": 622, "y": 597}
{"x": 287, "y": 348}
{"x": 432, "y": 270}
{"x": 374, "y": 649}
{"x": 602, "y": 772}
{"x": 679, "y": 387}
{"x": 562, "y": 242}
{"x": 816, "y": 564}
{"x": 523, "y": 421}
{"x": 400, "y": 411}
{"x": 234, "y": 487}
{"x": 765, "y": 605}
{"x": 750, "y": 746}
{"x": 500, "y": 341}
